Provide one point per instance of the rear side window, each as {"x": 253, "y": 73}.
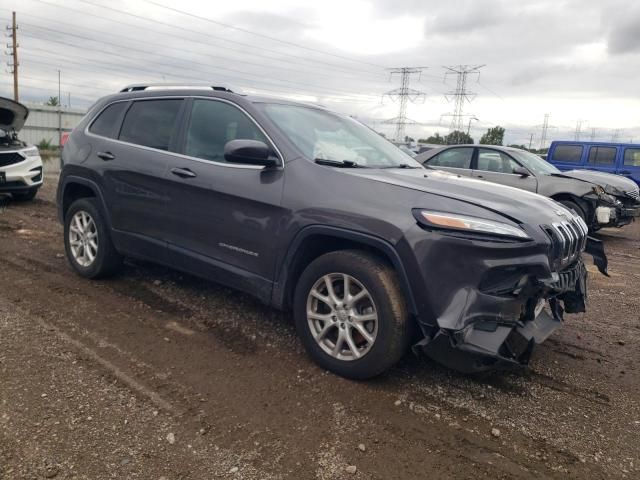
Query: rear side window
{"x": 567, "y": 153}
{"x": 107, "y": 123}
{"x": 453, "y": 158}
{"x": 632, "y": 157}
{"x": 151, "y": 123}
{"x": 602, "y": 156}
{"x": 213, "y": 124}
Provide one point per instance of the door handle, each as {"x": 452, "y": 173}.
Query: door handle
{"x": 106, "y": 156}
{"x": 183, "y": 172}
{"x": 479, "y": 176}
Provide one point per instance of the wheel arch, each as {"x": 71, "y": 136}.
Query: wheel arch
{"x": 586, "y": 206}
{"x": 74, "y": 188}
{"x": 313, "y": 241}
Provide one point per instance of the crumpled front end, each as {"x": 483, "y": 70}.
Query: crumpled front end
{"x": 495, "y": 301}
{"x": 615, "y": 208}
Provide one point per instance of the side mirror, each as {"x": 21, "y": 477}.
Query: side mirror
{"x": 523, "y": 172}
{"x": 250, "y": 152}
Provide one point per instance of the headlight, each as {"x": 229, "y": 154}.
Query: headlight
{"x": 453, "y": 221}
{"x": 31, "y": 152}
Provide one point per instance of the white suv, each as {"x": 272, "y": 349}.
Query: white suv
{"x": 20, "y": 164}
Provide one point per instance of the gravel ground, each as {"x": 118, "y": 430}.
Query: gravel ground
{"x": 155, "y": 374}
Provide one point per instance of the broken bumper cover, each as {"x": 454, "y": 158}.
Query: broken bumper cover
{"x": 494, "y": 339}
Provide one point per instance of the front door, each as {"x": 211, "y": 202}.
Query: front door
{"x": 498, "y": 167}
{"x": 223, "y": 217}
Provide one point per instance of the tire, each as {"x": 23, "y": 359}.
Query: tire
{"x": 383, "y": 299}
{"x": 573, "y": 206}
{"x": 25, "y": 196}
{"x": 105, "y": 260}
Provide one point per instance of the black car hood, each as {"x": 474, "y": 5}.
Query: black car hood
{"x": 518, "y": 205}
{"x": 603, "y": 179}
{"x": 12, "y": 114}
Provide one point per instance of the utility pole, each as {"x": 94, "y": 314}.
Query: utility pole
{"x": 460, "y": 95}
{"x": 530, "y": 140}
{"x": 405, "y": 95}
{"x": 469, "y": 125}
{"x": 59, "y": 113}
{"x": 13, "y": 52}
{"x": 578, "y": 130}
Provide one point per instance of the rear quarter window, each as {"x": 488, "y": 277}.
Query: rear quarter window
{"x": 151, "y": 123}
{"x": 107, "y": 123}
{"x": 602, "y": 156}
{"x": 567, "y": 153}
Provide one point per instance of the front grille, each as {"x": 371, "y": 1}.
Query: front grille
{"x": 568, "y": 240}
{"x": 635, "y": 194}
{"x": 9, "y": 158}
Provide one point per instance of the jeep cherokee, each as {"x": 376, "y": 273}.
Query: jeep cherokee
{"x": 312, "y": 211}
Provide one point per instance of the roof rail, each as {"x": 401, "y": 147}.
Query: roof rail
{"x": 172, "y": 86}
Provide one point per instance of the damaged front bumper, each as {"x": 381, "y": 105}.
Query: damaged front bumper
{"x": 494, "y": 338}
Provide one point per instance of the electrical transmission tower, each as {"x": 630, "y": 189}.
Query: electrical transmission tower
{"x": 13, "y": 52}
{"x": 405, "y": 95}
{"x": 579, "y": 124}
{"x": 592, "y": 137}
{"x": 460, "y": 95}
{"x": 616, "y": 134}
{"x": 545, "y": 129}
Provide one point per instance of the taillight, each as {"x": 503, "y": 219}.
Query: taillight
{"x": 64, "y": 138}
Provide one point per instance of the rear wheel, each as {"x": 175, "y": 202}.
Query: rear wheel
{"x": 25, "y": 196}
{"x": 351, "y": 315}
{"x": 87, "y": 241}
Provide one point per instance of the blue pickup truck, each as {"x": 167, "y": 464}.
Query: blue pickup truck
{"x": 616, "y": 158}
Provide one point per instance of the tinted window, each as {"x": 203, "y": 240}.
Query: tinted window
{"x": 213, "y": 124}
{"x": 632, "y": 157}
{"x": 494, "y": 161}
{"x": 105, "y": 124}
{"x": 453, "y": 158}
{"x": 602, "y": 155}
{"x": 151, "y": 123}
{"x": 567, "y": 153}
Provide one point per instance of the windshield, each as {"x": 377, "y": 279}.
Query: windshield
{"x": 327, "y": 136}
{"x": 534, "y": 163}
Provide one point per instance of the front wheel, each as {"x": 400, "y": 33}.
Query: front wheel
{"x": 351, "y": 315}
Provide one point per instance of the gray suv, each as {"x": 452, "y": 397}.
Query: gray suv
{"x": 311, "y": 211}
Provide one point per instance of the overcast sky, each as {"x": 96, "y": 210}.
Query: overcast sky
{"x": 577, "y": 60}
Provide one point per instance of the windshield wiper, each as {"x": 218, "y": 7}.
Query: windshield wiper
{"x": 338, "y": 163}
{"x": 402, "y": 165}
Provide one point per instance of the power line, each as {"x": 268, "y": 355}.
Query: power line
{"x": 461, "y": 94}
{"x": 240, "y": 29}
{"x": 405, "y": 95}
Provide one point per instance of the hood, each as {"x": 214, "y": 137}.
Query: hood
{"x": 614, "y": 182}
{"x": 518, "y": 205}
{"x": 12, "y": 114}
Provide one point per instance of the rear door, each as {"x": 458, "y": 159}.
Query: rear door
{"x": 630, "y": 163}
{"x": 601, "y": 158}
{"x": 133, "y": 163}
{"x": 223, "y": 217}
{"x": 454, "y": 160}
{"x": 496, "y": 166}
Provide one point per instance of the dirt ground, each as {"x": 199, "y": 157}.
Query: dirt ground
{"x": 159, "y": 375}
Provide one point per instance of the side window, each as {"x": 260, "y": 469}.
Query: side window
{"x": 495, "y": 161}
{"x": 105, "y": 124}
{"x": 212, "y": 125}
{"x": 632, "y": 157}
{"x": 567, "y": 153}
{"x": 453, "y": 158}
{"x": 151, "y": 123}
{"x": 602, "y": 156}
